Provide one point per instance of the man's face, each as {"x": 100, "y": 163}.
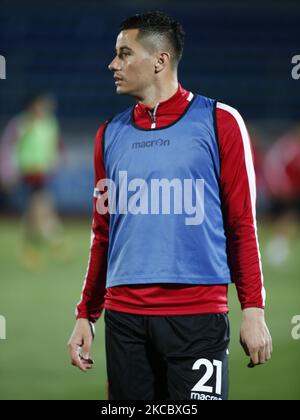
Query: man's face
{"x": 133, "y": 65}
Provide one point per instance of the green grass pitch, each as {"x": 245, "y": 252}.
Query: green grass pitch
{"x": 39, "y": 311}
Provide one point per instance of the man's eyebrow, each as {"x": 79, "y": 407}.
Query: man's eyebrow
{"x": 124, "y": 48}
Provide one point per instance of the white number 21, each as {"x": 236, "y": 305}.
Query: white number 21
{"x": 200, "y": 386}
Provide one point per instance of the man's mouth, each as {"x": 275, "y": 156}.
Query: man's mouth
{"x": 118, "y": 79}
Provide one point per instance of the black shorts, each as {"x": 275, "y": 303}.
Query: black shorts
{"x": 167, "y": 357}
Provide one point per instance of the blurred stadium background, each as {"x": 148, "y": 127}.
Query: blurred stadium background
{"x": 237, "y": 52}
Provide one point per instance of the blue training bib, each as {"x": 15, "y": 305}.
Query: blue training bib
{"x": 166, "y": 222}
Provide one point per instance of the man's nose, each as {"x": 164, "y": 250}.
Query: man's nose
{"x": 114, "y": 65}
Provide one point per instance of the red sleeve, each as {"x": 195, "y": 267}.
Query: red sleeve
{"x": 238, "y": 190}
{"x": 92, "y": 298}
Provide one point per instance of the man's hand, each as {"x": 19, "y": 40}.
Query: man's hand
{"x": 80, "y": 345}
{"x": 255, "y": 337}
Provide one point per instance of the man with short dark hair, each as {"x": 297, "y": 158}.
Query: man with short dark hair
{"x": 176, "y": 174}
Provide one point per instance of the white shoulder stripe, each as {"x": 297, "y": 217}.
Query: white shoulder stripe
{"x": 250, "y": 172}
{"x": 190, "y": 97}
{"x": 247, "y": 150}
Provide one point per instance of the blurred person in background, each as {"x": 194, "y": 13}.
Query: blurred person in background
{"x": 30, "y": 150}
{"x": 282, "y": 175}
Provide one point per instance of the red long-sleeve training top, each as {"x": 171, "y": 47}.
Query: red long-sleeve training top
{"x": 237, "y": 182}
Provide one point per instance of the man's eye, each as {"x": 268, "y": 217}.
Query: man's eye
{"x": 122, "y": 55}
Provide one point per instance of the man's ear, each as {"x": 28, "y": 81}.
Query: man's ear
{"x": 162, "y": 62}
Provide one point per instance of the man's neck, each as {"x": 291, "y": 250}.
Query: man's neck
{"x": 159, "y": 93}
